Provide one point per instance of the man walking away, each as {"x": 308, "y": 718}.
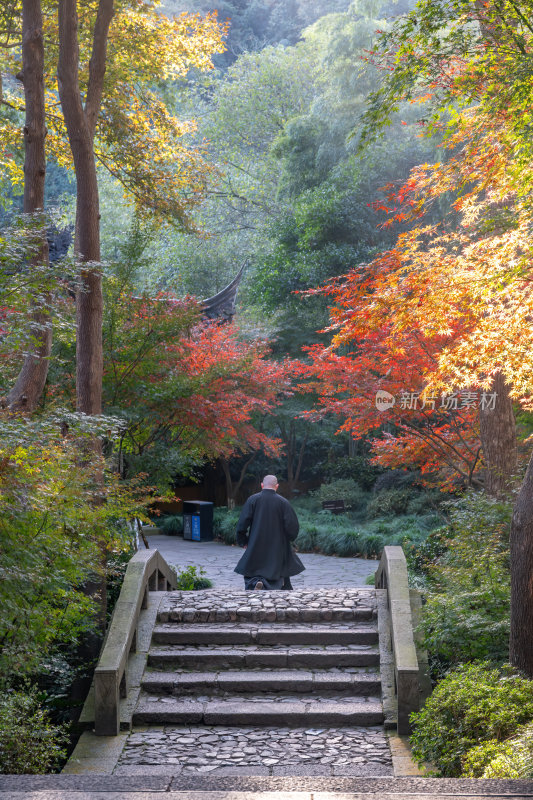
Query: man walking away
{"x": 269, "y": 560}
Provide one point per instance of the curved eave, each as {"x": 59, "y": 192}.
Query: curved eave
{"x": 223, "y": 303}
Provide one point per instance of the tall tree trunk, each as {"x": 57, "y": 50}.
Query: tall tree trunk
{"x": 233, "y": 489}
{"x": 498, "y": 438}
{"x": 521, "y": 641}
{"x": 29, "y": 385}
{"x": 230, "y": 499}
{"x": 81, "y": 124}
{"x": 301, "y": 456}
{"x": 294, "y": 458}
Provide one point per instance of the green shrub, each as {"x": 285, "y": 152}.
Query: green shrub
{"x": 29, "y": 742}
{"x": 473, "y": 704}
{"x": 357, "y": 468}
{"x": 428, "y": 522}
{"x": 339, "y": 542}
{"x": 426, "y": 501}
{"x": 52, "y": 534}
{"x": 372, "y": 546}
{"x": 479, "y": 757}
{"x": 171, "y": 525}
{"x": 190, "y": 579}
{"x": 511, "y": 759}
{"x": 342, "y": 489}
{"x": 399, "y": 529}
{"x": 389, "y": 503}
{"x": 225, "y": 524}
{"x": 466, "y": 626}
{"x": 307, "y": 539}
{"x": 511, "y": 762}
{"x": 466, "y": 572}
{"x": 396, "y": 479}
{"x": 306, "y": 503}
{"x": 423, "y": 556}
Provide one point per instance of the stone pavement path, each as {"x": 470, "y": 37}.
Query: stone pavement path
{"x": 219, "y": 560}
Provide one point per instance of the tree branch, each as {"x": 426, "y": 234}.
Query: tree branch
{"x": 97, "y": 64}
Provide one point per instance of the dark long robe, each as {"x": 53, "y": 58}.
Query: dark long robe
{"x": 273, "y": 526}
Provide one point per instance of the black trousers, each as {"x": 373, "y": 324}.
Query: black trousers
{"x": 282, "y": 583}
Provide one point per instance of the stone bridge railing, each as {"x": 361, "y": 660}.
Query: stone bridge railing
{"x": 409, "y": 678}
{"x": 146, "y": 571}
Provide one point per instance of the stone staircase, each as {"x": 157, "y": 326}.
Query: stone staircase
{"x": 262, "y": 683}
{"x": 264, "y": 658}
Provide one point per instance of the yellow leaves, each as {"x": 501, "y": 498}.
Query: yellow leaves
{"x": 11, "y": 153}
{"x": 154, "y": 47}
{"x": 138, "y": 138}
{"x": 139, "y": 143}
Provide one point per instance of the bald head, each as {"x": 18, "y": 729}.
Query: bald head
{"x": 270, "y": 482}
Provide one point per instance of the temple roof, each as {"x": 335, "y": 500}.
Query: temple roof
{"x": 222, "y": 305}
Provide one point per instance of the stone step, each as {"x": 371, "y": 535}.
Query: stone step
{"x": 164, "y": 786}
{"x": 266, "y": 614}
{"x": 249, "y": 657}
{"x": 300, "y": 606}
{"x": 282, "y": 682}
{"x": 238, "y": 711}
{"x": 264, "y": 634}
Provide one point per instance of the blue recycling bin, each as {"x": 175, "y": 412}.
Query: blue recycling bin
{"x": 198, "y": 520}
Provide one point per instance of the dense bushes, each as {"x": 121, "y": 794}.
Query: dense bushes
{"x": 337, "y": 539}
{"x": 225, "y": 524}
{"x": 343, "y": 489}
{"x": 464, "y": 570}
{"x": 191, "y": 579}
{"x": 56, "y": 523}
{"x": 29, "y": 742}
{"x": 52, "y": 535}
{"x": 171, "y": 525}
{"x": 355, "y": 468}
{"x": 396, "y": 479}
{"x": 475, "y": 703}
{"x": 389, "y": 503}
{"x": 510, "y": 759}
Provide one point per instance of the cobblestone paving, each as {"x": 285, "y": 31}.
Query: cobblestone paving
{"x": 331, "y": 751}
{"x": 302, "y": 605}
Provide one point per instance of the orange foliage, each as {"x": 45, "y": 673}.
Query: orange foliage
{"x": 449, "y": 306}
{"x": 233, "y": 384}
